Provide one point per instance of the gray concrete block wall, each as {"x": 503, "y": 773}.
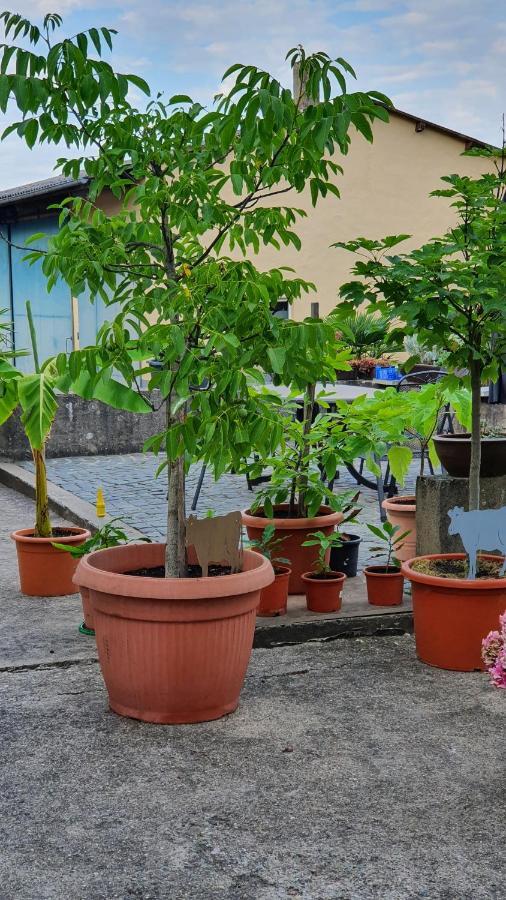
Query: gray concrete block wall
{"x": 85, "y": 428}
{"x": 435, "y": 495}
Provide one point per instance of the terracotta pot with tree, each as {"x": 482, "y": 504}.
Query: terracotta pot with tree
{"x": 323, "y": 586}
{"x": 451, "y": 293}
{"x": 191, "y": 184}
{"x": 44, "y": 570}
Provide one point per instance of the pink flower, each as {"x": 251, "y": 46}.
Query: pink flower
{"x": 491, "y": 647}
{"x": 497, "y": 672}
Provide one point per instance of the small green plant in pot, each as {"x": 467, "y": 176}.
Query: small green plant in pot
{"x": 385, "y": 583}
{"x": 273, "y": 598}
{"x": 44, "y": 571}
{"x": 112, "y": 534}
{"x": 323, "y": 586}
{"x": 298, "y": 500}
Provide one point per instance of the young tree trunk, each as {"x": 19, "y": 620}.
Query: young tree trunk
{"x": 474, "y": 470}
{"x": 175, "y": 553}
{"x": 42, "y": 520}
{"x": 307, "y": 421}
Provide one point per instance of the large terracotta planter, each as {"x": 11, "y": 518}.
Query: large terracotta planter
{"x": 294, "y": 532}
{"x": 88, "y": 623}
{"x": 453, "y": 615}
{"x": 454, "y": 452}
{"x": 45, "y": 571}
{"x": 171, "y": 650}
{"x": 273, "y": 598}
{"x": 324, "y": 595}
{"x": 402, "y": 511}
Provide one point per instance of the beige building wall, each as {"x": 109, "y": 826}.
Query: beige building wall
{"x": 384, "y": 190}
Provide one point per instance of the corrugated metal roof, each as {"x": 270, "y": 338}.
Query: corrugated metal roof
{"x": 40, "y": 188}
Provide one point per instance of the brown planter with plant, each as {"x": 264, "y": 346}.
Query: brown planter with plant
{"x": 44, "y": 570}
{"x": 452, "y": 599}
{"x": 323, "y": 586}
{"x": 192, "y": 319}
{"x": 171, "y": 650}
{"x": 274, "y": 597}
{"x": 453, "y": 613}
{"x": 385, "y": 583}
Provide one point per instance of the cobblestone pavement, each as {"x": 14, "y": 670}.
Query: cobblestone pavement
{"x": 132, "y": 491}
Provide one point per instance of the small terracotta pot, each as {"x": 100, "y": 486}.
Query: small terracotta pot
{"x": 87, "y": 609}
{"x": 453, "y": 615}
{"x": 402, "y": 511}
{"x": 384, "y": 587}
{"x": 171, "y": 650}
{"x": 294, "y": 532}
{"x": 45, "y": 571}
{"x": 323, "y": 594}
{"x": 274, "y": 597}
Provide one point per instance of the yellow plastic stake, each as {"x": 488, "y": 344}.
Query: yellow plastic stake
{"x": 100, "y": 504}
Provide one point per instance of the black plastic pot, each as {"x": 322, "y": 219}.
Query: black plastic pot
{"x": 345, "y": 558}
{"x": 454, "y": 452}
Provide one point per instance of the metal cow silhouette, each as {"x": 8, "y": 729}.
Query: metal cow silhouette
{"x": 216, "y": 540}
{"x": 479, "y": 529}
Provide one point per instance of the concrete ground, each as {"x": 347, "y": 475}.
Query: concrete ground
{"x": 349, "y": 772}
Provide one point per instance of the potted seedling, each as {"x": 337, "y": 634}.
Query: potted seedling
{"x": 190, "y": 185}
{"x": 322, "y": 585}
{"x": 273, "y": 598}
{"x": 298, "y": 500}
{"x": 112, "y": 534}
{"x": 451, "y": 293}
{"x": 44, "y": 570}
{"x": 385, "y": 582}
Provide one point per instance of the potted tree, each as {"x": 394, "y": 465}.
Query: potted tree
{"x": 398, "y": 425}
{"x": 385, "y": 583}
{"x": 274, "y": 597}
{"x": 451, "y": 291}
{"x": 44, "y": 570}
{"x": 297, "y": 499}
{"x": 323, "y": 586}
{"x": 189, "y": 182}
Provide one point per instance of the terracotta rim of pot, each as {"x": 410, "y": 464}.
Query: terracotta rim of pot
{"x": 281, "y": 571}
{"x": 369, "y": 570}
{"x": 98, "y": 571}
{"x": 325, "y": 517}
{"x": 309, "y": 576}
{"x": 400, "y": 504}
{"x": 26, "y": 536}
{"x": 464, "y": 584}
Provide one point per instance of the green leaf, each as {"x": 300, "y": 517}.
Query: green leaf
{"x": 277, "y": 356}
{"x": 38, "y": 402}
{"x": 399, "y": 459}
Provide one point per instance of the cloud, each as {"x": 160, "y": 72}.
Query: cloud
{"x": 442, "y": 60}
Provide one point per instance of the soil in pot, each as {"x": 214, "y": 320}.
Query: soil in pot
{"x": 171, "y": 650}
{"x": 345, "y": 558}
{"x": 274, "y": 597}
{"x": 385, "y": 585}
{"x": 458, "y": 568}
{"x": 452, "y": 615}
{"x": 294, "y": 532}
{"x": 454, "y": 452}
{"x": 192, "y": 571}
{"x": 45, "y": 571}
{"x": 401, "y": 511}
{"x": 323, "y": 591}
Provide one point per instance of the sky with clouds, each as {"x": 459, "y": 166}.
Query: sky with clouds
{"x": 443, "y": 60}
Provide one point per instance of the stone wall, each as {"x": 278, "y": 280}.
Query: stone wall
{"x": 435, "y": 495}
{"x": 85, "y": 428}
